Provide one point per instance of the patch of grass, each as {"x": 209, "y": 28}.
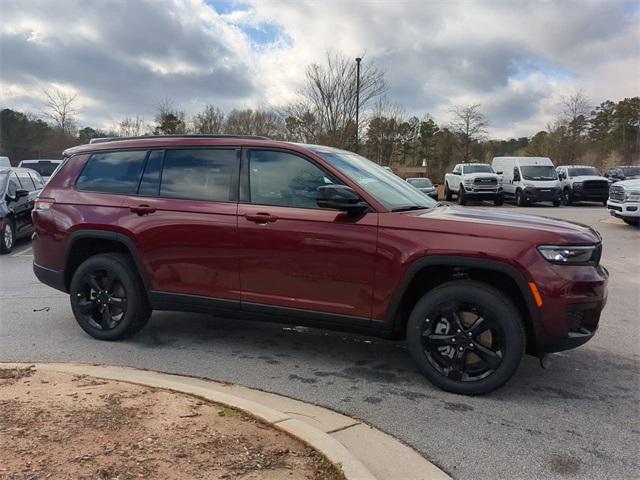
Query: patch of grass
{"x": 226, "y": 412}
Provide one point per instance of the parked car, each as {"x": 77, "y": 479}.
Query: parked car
{"x": 5, "y": 162}
{"x": 18, "y": 189}
{"x": 624, "y": 201}
{"x": 265, "y": 230}
{"x": 581, "y": 182}
{"x": 528, "y": 179}
{"x": 616, "y": 174}
{"x": 473, "y": 181}
{"x": 44, "y": 167}
{"x": 425, "y": 186}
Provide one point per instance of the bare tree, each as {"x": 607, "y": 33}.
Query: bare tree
{"x": 301, "y": 123}
{"x": 131, "y": 126}
{"x": 575, "y": 109}
{"x": 469, "y": 125}
{"x": 60, "y": 108}
{"x": 383, "y": 131}
{"x": 330, "y": 94}
{"x": 210, "y": 120}
{"x": 255, "y": 122}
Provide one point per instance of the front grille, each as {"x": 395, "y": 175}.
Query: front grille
{"x": 616, "y": 193}
{"x": 600, "y": 185}
{"x": 486, "y": 181}
{"x": 545, "y": 194}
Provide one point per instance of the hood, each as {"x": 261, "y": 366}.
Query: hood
{"x": 481, "y": 175}
{"x": 583, "y": 178}
{"x": 427, "y": 189}
{"x": 541, "y": 183}
{"x": 629, "y": 184}
{"x": 489, "y": 223}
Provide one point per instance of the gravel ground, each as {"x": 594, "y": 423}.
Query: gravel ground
{"x": 578, "y": 419}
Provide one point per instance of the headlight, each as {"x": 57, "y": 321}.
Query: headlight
{"x": 632, "y": 196}
{"x": 562, "y": 255}
{"x": 577, "y": 185}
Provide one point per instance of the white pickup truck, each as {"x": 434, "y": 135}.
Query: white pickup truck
{"x": 473, "y": 181}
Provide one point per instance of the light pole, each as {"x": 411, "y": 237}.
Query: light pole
{"x": 358, "y": 60}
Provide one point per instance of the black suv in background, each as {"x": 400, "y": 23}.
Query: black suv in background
{"x": 19, "y": 188}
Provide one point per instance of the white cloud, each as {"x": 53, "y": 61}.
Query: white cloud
{"x": 516, "y": 59}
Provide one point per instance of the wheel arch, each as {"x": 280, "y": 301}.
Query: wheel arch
{"x": 428, "y": 272}
{"x": 84, "y": 244}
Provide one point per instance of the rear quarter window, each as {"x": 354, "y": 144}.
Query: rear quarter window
{"x": 113, "y": 172}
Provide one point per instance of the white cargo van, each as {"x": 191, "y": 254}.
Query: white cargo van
{"x": 5, "y": 162}
{"x": 528, "y": 179}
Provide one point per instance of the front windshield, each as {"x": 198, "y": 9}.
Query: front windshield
{"x": 420, "y": 182}
{"x": 631, "y": 171}
{"x": 583, "y": 172}
{"x": 43, "y": 168}
{"x": 477, "y": 169}
{"x": 390, "y": 190}
{"x": 539, "y": 172}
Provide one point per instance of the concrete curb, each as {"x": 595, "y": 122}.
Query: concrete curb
{"x": 363, "y": 452}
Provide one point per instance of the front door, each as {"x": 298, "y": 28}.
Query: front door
{"x": 295, "y": 254}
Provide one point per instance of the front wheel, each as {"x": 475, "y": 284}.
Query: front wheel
{"x": 556, "y": 203}
{"x": 7, "y": 236}
{"x": 462, "y": 196}
{"x": 499, "y": 200}
{"x": 447, "y": 193}
{"x": 567, "y": 197}
{"x": 466, "y": 337}
{"x": 635, "y": 221}
{"x": 108, "y": 298}
{"x": 520, "y": 198}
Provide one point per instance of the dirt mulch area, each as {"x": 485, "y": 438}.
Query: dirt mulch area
{"x": 63, "y": 426}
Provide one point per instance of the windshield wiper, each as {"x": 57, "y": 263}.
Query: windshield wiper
{"x": 406, "y": 208}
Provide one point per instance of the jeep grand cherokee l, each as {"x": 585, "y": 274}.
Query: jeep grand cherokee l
{"x": 265, "y": 230}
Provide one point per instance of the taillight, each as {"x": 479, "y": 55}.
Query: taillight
{"x": 43, "y": 204}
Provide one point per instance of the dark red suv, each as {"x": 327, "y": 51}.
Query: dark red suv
{"x": 252, "y": 228}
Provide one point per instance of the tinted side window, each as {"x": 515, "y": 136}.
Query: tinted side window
{"x": 284, "y": 179}
{"x": 14, "y": 185}
{"x": 198, "y": 174}
{"x": 25, "y": 181}
{"x": 516, "y": 174}
{"x": 113, "y": 172}
{"x": 150, "y": 184}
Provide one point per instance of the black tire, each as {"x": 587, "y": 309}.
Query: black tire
{"x": 634, "y": 221}
{"x": 567, "y": 197}
{"x": 494, "y": 312}
{"x": 447, "y": 193}
{"x": 499, "y": 200}
{"x": 519, "y": 200}
{"x": 108, "y": 297}
{"x": 556, "y": 203}
{"x": 462, "y": 197}
{"x": 7, "y": 236}
{"x": 604, "y": 203}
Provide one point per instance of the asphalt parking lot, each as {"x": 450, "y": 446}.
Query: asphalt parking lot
{"x": 578, "y": 419}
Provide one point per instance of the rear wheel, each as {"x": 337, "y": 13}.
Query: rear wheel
{"x": 108, "y": 298}
{"x": 7, "y": 236}
{"x": 466, "y": 337}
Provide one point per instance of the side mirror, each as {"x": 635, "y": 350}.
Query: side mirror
{"x": 21, "y": 193}
{"x": 340, "y": 197}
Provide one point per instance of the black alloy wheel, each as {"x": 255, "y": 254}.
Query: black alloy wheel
{"x": 466, "y": 337}
{"x": 108, "y": 297}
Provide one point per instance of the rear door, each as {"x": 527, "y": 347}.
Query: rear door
{"x": 183, "y": 223}
{"x": 294, "y": 254}
{"x": 24, "y": 205}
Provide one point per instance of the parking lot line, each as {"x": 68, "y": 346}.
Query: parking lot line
{"x": 27, "y": 252}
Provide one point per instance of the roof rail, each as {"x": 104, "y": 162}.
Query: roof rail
{"x": 192, "y": 135}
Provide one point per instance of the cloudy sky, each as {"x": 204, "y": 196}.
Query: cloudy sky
{"x": 123, "y": 57}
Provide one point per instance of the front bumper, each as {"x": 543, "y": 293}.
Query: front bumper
{"x": 542, "y": 195}
{"x": 624, "y": 209}
{"x": 570, "y": 315}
